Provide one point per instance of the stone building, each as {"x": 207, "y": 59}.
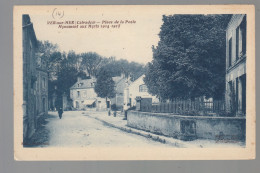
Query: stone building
{"x": 41, "y": 86}
{"x": 236, "y": 65}
{"x": 84, "y": 96}
{"x": 29, "y": 77}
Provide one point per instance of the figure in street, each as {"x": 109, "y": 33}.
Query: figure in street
{"x": 60, "y": 111}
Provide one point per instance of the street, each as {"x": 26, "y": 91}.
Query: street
{"x": 76, "y": 129}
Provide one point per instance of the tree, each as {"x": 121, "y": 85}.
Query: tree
{"x": 51, "y": 55}
{"x": 189, "y": 60}
{"x": 68, "y": 71}
{"x": 129, "y": 69}
{"x": 91, "y": 63}
{"x": 73, "y": 60}
{"x": 47, "y": 48}
{"x": 105, "y": 86}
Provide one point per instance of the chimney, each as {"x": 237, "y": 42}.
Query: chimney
{"x": 79, "y": 79}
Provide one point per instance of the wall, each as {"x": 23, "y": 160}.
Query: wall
{"x": 216, "y": 128}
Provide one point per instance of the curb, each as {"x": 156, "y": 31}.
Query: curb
{"x": 137, "y": 132}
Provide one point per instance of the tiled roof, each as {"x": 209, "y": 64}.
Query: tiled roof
{"x": 85, "y": 83}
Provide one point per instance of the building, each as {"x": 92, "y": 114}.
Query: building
{"x": 29, "y": 77}
{"x": 137, "y": 89}
{"x": 41, "y": 86}
{"x": 121, "y": 82}
{"x": 84, "y": 96}
{"x": 236, "y": 65}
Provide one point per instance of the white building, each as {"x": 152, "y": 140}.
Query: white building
{"x": 137, "y": 89}
{"x": 236, "y": 65}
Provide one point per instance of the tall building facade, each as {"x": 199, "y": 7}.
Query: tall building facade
{"x": 29, "y": 77}
{"x": 41, "y": 86}
{"x": 236, "y": 65}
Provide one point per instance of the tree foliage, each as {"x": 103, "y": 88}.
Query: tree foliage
{"x": 105, "y": 86}
{"x": 132, "y": 70}
{"x": 189, "y": 60}
{"x": 91, "y": 63}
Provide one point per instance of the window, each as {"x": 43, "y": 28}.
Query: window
{"x": 143, "y": 88}
{"x": 243, "y": 30}
{"x": 78, "y": 93}
{"x": 237, "y": 43}
{"x": 230, "y": 52}
{"x": 241, "y": 39}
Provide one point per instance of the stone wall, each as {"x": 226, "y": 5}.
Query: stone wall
{"x": 189, "y": 127}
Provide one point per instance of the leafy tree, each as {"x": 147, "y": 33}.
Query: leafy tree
{"x": 68, "y": 72}
{"x": 47, "y": 48}
{"x": 105, "y": 86}
{"x": 189, "y": 60}
{"x": 51, "y": 55}
{"x": 91, "y": 63}
{"x": 129, "y": 69}
{"x": 73, "y": 60}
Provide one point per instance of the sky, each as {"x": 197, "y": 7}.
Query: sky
{"x": 130, "y": 41}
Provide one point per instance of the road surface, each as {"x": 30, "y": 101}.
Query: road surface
{"x": 78, "y": 130}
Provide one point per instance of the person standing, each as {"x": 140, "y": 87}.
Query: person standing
{"x": 60, "y": 111}
{"x": 125, "y": 110}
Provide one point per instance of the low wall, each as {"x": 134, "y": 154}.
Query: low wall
{"x": 189, "y": 127}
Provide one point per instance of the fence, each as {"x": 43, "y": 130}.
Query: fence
{"x": 187, "y": 107}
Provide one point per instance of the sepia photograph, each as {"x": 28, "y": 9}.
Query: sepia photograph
{"x": 134, "y": 82}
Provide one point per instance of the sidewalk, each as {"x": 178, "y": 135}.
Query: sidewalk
{"x": 119, "y": 123}
{"x": 41, "y": 136}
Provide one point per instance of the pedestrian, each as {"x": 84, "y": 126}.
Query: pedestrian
{"x": 60, "y": 111}
{"x": 125, "y": 111}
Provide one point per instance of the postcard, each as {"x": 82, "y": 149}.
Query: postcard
{"x": 134, "y": 82}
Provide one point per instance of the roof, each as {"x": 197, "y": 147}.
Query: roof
{"x": 84, "y": 84}
{"x": 140, "y": 78}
